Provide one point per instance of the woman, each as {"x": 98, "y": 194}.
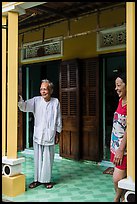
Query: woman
{"x": 119, "y": 137}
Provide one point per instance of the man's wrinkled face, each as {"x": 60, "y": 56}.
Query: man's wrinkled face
{"x": 45, "y": 91}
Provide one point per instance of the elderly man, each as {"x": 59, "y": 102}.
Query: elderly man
{"x": 47, "y": 127}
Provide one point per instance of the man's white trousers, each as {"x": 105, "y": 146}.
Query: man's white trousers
{"x": 43, "y": 162}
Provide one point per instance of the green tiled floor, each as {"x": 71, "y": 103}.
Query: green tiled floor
{"x": 74, "y": 182}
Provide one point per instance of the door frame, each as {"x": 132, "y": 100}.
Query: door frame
{"x": 102, "y": 64}
{"x": 26, "y": 94}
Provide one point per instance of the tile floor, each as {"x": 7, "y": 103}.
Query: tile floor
{"x": 75, "y": 181}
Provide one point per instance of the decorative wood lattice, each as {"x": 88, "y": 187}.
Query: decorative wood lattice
{"x": 111, "y": 38}
{"x": 42, "y": 50}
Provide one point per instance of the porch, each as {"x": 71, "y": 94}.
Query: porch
{"x": 75, "y": 181}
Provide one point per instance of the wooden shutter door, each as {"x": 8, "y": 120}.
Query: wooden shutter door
{"x": 90, "y": 109}
{"x": 69, "y": 99}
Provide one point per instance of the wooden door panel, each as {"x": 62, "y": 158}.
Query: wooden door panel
{"x": 90, "y": 146}
{"x": 69, "y": 99}
{"x": 80, "y": 109}
{"x": 90, "y": 110}
{"x": 69, "y": 123}
{"x": 67, "y": 145}
{"x": 88, "y": 122}
{"x": 74, "y": 149}
{"x": 65, "y": 148}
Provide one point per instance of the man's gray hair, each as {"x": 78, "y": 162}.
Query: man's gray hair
{"x": 51, "y": 85}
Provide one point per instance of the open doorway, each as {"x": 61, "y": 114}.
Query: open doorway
{"x": 109, "y": 64}
{"x": 32, "y": 76}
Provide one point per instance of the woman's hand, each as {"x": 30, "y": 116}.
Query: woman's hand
{"x": 120, "y": 151}
{"x": 118, "y": 157}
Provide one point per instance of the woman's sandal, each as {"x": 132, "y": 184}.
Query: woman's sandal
{"x": 48, "y": 185}
{"x": 34, "y": 184}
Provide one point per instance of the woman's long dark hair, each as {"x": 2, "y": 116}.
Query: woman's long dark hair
{"x": 121, "y": 75}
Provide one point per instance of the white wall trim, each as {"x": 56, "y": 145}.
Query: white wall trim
{"x": 127, "y": 184}
{"x": 18, "y": 7}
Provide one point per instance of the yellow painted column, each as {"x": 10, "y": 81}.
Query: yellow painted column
{"x": 12, "y": 89}
{"x": 13, "y": 181}
{"x": 4, "y": 20}
{"x": 130, "y": 22}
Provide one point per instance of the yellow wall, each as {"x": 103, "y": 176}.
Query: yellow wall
{"x": 81, "y": 46}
